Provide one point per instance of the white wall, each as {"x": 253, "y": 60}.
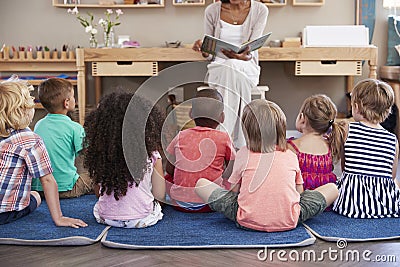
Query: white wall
{"x": 37, "y": 22}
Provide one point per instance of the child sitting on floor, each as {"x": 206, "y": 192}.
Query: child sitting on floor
{"x": 24, "y": 158}
{"x": 63, "y": 138}
{"x": 267, "y": 187}
{"x": 320, "y": 145}
{"x": 199, "y": 152}
{"x": 127, "y": 188}
{"x": 367, "y": 187}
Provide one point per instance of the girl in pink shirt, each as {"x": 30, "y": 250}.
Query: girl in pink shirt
{"x": 267, "y": 187}
{"x": 320, "y": 145}
{"x": 124, "y": 161}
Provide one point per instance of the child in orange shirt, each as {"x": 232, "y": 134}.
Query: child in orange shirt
{"x": 267, "y": 187}
{"x": 202, "y": 151}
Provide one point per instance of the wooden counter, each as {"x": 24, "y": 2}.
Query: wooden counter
{"x": 84, "y": 55}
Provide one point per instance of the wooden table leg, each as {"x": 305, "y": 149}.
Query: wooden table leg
{"x": 97, "y": 87}
{"x": 80, "y": 65}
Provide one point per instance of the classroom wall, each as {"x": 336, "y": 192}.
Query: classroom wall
{"x": 37, "y": 22}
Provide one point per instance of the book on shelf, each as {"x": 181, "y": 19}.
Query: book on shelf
{"x": 213, "y": 45}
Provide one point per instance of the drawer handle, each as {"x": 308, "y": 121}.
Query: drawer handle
{"x": 328, "y": 62}
{"x": 124, "y": 63}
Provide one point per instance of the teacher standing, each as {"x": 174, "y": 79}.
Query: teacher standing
{"x": 234, "y": 75}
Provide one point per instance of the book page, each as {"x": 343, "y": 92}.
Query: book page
{"x": 213, "y": 45}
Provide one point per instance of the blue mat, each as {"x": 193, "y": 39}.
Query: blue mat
{"x": 38, "y": 228}
{"x": 331, "y": 226}
{"x": 180, "y": 230}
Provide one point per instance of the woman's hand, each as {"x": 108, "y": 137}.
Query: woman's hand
{"x": 245, "y": 55}
{"x": 197, "y": 47}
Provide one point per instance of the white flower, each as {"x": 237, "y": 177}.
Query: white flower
{"x": 73, "y": 11}
{"x": 109, "y": 11}
{"x": 119, "y": 12}
{"x": 88, "y": 29}
{"x": 102, "y": 22}
{"x": 94, "y": 31}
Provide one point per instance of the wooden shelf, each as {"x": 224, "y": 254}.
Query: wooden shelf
{"x": 269, "y": 3}
{"x": 308, "y": 2}
{"x": 56, "y": 3}
{"x": 189, "y": 2}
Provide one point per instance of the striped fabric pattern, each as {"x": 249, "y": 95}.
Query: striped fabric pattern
{"x": 366, "y": 188}
{"x": 23, "y": 156}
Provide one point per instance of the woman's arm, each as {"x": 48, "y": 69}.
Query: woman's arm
{"x": 260, "y": 22}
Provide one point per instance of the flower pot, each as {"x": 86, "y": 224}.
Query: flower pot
{"x": 128, "y": 2}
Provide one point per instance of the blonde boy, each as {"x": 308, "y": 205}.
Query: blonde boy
{"x": 24, "y": 158}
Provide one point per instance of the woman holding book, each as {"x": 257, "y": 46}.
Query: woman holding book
{"x": 234, "y": 74}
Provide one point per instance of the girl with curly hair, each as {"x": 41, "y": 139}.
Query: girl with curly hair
{"x": 128, "y": 183}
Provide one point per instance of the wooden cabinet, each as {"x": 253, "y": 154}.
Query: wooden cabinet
{"x": 150, "y": 4}
{"x": 308, "y": 2}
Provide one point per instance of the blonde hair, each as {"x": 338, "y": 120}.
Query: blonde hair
{"x": 264, "y": 126}
{"x": 374, "y": 99}
{"x": 15, "y": 102}
{"x": 321, "y": 112}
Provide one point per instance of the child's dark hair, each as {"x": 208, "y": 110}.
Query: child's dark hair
{"x": 53, "y": 92}
{"x": 207, "y": 108}
{"x": 104, "y": 154}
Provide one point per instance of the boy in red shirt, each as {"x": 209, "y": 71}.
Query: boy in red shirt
{"x": 199, "y": 152}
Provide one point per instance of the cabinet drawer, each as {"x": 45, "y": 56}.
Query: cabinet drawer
{"x": 124, "y": 68}
{"x": 328, "y": 67}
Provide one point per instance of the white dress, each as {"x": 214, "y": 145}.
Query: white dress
{"x": 234, "y": 79}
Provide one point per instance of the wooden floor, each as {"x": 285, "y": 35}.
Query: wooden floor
{"x": 97, "y": 255}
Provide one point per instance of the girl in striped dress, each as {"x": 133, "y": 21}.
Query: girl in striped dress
{"x": 368, "y": 186}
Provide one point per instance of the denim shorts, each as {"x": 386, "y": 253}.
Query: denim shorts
{"x": 14, "y": 215}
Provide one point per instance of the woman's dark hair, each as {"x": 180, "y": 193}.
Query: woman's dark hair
{"x": 104, "y": 154}
{"x": 225, "y": 1}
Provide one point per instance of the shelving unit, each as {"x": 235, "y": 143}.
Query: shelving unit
{"x": 188, "y": 2}
{"x": 308, "y": 2}
{"x": 270, "y": 3}
{"x": 34, "y": 66}
{"x": 60, "y": 3}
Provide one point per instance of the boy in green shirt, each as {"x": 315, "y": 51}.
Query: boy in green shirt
{"x": 62, "y": 137}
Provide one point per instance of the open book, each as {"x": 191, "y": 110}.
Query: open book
{"x": 213, "y": 45}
